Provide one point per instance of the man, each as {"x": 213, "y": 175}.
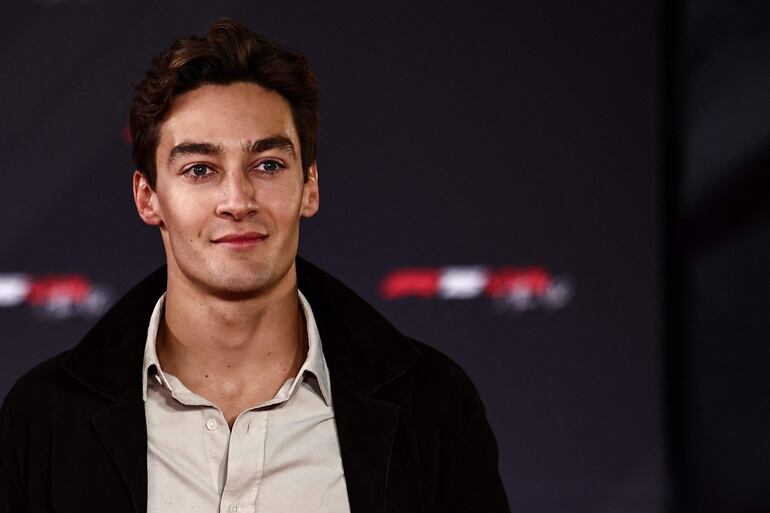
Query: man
{"x": 239, "y": 377}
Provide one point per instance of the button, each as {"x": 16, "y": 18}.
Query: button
{"x": 211, "y": 424}
{"x": 235, "y": 508}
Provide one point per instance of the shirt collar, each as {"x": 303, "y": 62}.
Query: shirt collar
{"x": 315, "y": 362}
{"x": 151, "y": 365}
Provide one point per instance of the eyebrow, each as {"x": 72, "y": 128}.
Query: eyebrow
{"x": 193, "y": 148}
{"x": 276, "y": 142}
{"x": 258, "y": 146}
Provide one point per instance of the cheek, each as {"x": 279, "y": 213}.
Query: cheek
{"x": 183, "y": 216}
{"x": 284, "y": 200}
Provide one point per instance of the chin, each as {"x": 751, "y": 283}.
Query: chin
{"x": 244, "y": 281}
{"x": 234, "y": 278}
{"x": 238, "y": 283}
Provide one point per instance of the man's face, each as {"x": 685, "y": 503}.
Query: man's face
{"x": 229, "y": 192}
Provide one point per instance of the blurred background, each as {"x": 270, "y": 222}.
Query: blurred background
{"x": 568, "y": 198}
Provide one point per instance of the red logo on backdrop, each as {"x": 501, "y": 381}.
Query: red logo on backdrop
{"x": 57, "y": 296}
{"x": 514, "y": 288}
{"x": 125, "y": 134}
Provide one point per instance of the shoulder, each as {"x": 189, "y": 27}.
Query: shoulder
{"x": 434, "y": 366}
{"x": 439, "y": 388}
{"x": 26, "y": 408}
{"x": 41, "y": 376}
{"x": 43, "y": 387}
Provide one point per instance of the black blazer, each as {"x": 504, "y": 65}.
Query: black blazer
{"x": 412, "y": 430}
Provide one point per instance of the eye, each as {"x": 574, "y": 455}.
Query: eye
{"x": 269, "y": 167}
{"x": 198, "y": 171}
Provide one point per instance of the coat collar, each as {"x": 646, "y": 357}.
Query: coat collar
{"x": 362, "y": 346}
{"x": 364, "y": 353}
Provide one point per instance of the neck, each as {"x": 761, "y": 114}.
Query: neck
{"x": 220, "y": 347}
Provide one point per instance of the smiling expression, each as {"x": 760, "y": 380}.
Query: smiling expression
{"x": 230, "y": 192}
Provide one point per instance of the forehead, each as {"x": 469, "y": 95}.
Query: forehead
{"x": 226, "y": 115}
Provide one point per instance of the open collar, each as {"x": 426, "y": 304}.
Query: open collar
{"x": 314, "y": 363}
{"x": 362, "y": 347}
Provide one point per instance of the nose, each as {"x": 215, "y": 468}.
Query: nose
{"x": 238, "y": 197}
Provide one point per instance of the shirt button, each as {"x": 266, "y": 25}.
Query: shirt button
{"x": 211, "y": 424}
{"x": 235, "y": 508}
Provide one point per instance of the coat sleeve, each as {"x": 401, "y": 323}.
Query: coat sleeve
{"x": 478, "y": 486}
{"x": 461, "y": 449}
{"x": 12, "y": 494}
{"x": 475, "y": 478}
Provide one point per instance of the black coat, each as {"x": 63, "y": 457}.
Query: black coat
{"x": 412, "y": 429}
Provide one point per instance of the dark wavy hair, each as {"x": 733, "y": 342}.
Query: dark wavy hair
{"x": 229, "y": 53}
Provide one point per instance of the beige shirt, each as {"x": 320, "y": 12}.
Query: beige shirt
{"x": 280, "y": 456}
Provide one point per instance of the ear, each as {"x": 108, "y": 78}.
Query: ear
{"x": 146, "y": 200}
{"x": 310, "y": 195}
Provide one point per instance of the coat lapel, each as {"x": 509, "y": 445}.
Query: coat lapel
{"x": 366, "y": 429}
{"x": 109, "y": 361}
{"x": 364, "y": 353}
{"x": 122, "y": 430}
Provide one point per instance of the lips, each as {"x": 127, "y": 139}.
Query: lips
{"x": 240, "y": 238}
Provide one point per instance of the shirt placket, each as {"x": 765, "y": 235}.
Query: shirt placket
{"x": 245, "y": 462}
{"x": 217, "y": 437}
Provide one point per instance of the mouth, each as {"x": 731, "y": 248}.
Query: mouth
{"x": 240, "y": 240}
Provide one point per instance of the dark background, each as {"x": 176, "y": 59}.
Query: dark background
{"x": 597, "y": 140}
{"x": 719, "y": 245}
